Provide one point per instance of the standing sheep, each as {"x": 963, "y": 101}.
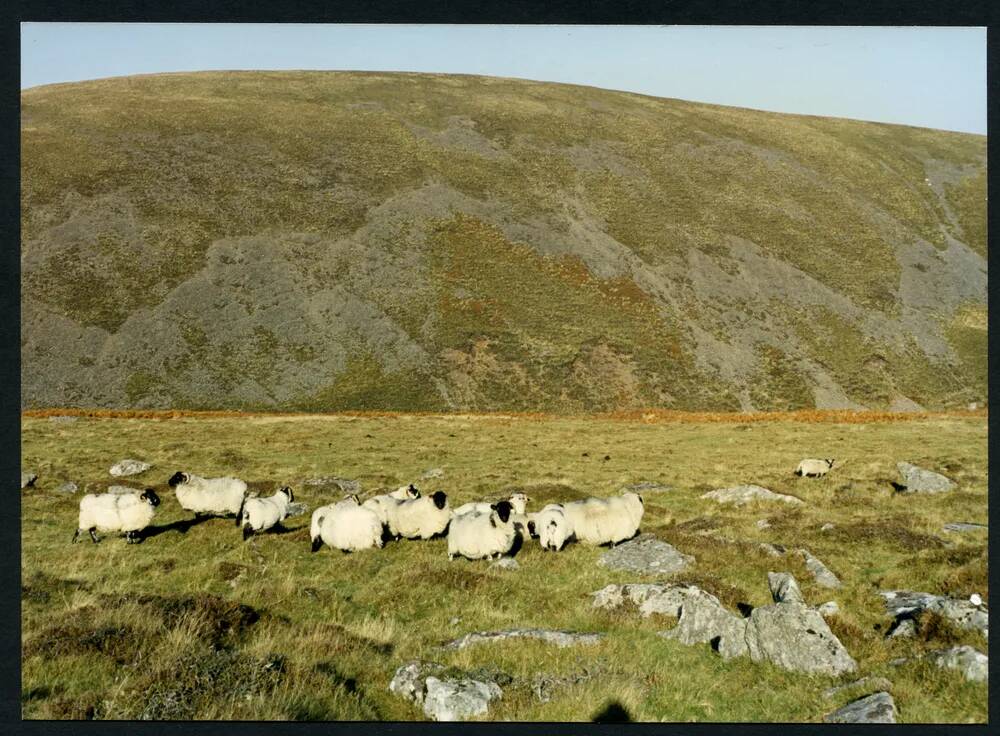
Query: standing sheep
{"x": 420, "y": 518}
{"x": 477, "y": 535}
{"x": 552, "y": 527}
{"x": 117, "y": 512}
{"x": 261, "y": 514}
{"x": 347, "y": 526}
{"x": 218, "y": 496}
{"x": 605, "y": 520}
{"x": 318, "y": 515}
{"x": 812, "y": 468}
{"x": 518, "y": 502}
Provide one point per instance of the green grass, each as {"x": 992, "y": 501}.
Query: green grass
{"x": 116, "y": 631}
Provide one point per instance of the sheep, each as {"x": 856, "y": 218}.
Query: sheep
{"x": 404, "y": 492}
{"x": 347, "y": 526}
{"x": 812, "y": 468}
{"x": 552, "y": 527}
{"x": 605, "y": 520}
{"x": 322, "y": 511}
{"x": 117, "y": 512}
{"x": 477, "y": 535}
{"x": 420, "y": 518}
{"x": 518, "y": 502}
{"x": 219, "y": 496}
{"x": 260, "y": 514}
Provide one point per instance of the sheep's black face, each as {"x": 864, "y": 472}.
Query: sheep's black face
{"x": 439, "y": 498}
{"x": 412, "y": 491}
{"x": 150, "y": 497}
{"x": 503, "y": 509}
{"x": 176, "y": 479}
{"x": 641, "y": 499}
{"x": 288, "y": 492}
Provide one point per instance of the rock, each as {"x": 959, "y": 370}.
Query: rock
{"x": 974, "y": 665}
{"x": 69, "y": 487}
{"x": 902, "y": 628}
{"x": 123, "y": 489}
{"x": 543, "y": 684}
{"x": 871, "y": 683}
{"x": 763, "y": 524}
{"x": 432, "y": 473}
{"x": 783, "y": 588}
{"x": 505, "y": 563}
{"x": 826, "y": 527}
{"x": 645, "y": 554}
{"x": 830, "y": 608}
{"x": 908, "y": 603}
{"x": 344, "y": 484}
{"x": 612, "y": 596}
{"x": 741, "y": 495}
{"x": 28, "y": 480}
{"x": 918, "y": 480}
{"x": 129, "y": 467}
{"x": 820, "y": 572}
{"x": 647, "y": 486}
{"x": 559, "y": 638}
{"x": 458, "y": 699}
{"x": 775, "y": 550}
{"x": 795, "y": 637}
{"x": 409, "y": 680}
{"x": 701, "y": 619}
{"x": 965, "y": 526}
{"x": 877, "y": 708}
{"x": 297, "y": 509}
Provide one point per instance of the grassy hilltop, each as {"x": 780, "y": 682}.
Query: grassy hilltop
{"x": 195, "y": 623}
{"x": 328, "y": 241}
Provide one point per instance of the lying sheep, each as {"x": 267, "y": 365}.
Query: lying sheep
{"x": 117, "y": 512}
{"x": 518, "y": 502}
{"x": 552, "y": 527}
{"x": 347, "y": 526}
{"x": 605, "y": 520}
{"x": 476, "y": 535}
{"x": 420, "y": 518}
{"x": 261, "y": 514}
{"x": 218, "y": 496}
{"x": 812, "y": 468}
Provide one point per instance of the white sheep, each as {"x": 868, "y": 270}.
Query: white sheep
{"x": 518, "y": 502}
{"x": 117, "y": 512}
{"x": 386, "y": 504}
{"x": 347, "y": 526}
{"x": 220, "y": 496}
{"x": 477, "y": 535}
{"x": 261, "y": 514}
{"x": 552, "y": 527}
{"x": 420, "y": 518}
{"x": 812, "y": 468}
{"x": 322, "y": 511}
{"x": 605, "y": 520}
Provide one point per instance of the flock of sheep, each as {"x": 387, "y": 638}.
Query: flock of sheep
{"x": 475, "y": 530}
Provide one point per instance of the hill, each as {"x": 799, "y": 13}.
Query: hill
{"x": 328, "y": 240}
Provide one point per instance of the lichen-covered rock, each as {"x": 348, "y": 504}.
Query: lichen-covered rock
{"x": 458, "y": 699}
{"x": 741, "y": 495}
{"x": 964, "y": 613}
{"x": 965, "y": 526}
{"x": 646, "y": 554}
{"x": 297, "y": 509}
{"x": 68, "y": 487}
{"x": 902, "y": 628}
{"x": 432, "y": 473}
{"x": 973, "y": 664}
{"x": 830, "y": 608}
{"x": 701, "y": 619}
{"x": 505, "y": 563}
{"x": 550, "y": 636}
{"x": 919, "y": 480}
{"x": 647, "y": 487}
{"x": 870, "y": 683}
{"x": 28, "y": 480}
{"x": 876, "y": 708}
{"x": 775, "y": 550}
{"x": 129, "y": 467}
{"x": 613, "y": 596}
{"x": 820, "y": 572}
{"x": 784, "y": 588}
{"x": 409, "y": 682}
{"x": 795, "y": 637}
{"x": 346, "y": 485}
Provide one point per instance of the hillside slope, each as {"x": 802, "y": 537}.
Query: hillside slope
{"x": 327, "y": 240}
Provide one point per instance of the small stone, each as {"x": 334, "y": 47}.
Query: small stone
{"x": 297, "y": 509}
{"x": 975, "y": 599}
{"x": 820, "y": 572}
{"x": 458, "y": 699}
{"x": 344, "y": 484}
{"x": 409, "y": 680}
{"x": 965, "y": 526}
{"x": 830, "y": 608}
{"x": 559, "y": 638}
{"x": 69, "y": 487}
{"x": 877, "y": 708}
{"x": 432, "y": 473}
{"x": 129, "y": 467}
{"x": 505, "y": 563}
{"x": 973, "y": 664}
{"x": 919, "y": 480}
{"x": 783, "y": 587}
{"x": 646, "y": 554}
{"x": 826, "y": 527}
{"x": 775, "y": 550}
{"x": 902, "y": 628}
{"x": 872, "y": 683}
{"x": 741, "y": 495}
{"x": 28, "y": 480}
{"x": 763, "y": 524}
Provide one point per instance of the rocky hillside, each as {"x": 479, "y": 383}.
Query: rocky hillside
{"x": 325, "y": 241}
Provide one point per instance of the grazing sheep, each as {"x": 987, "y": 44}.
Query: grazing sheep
{"x": 347, "y": 526}
{"x": 117, "y": 512}
{"x": 317, "y": 515}
{"x": 260, "y": 514}
{"x": 605, "y": 520}
{"x": 552, "y": 527}
{"x": 219, "y": 496}
{"x": 518, "y": 502}
{"x": 812, "y": 468}
{"x": 420, "y": 518}
{"x": 477, "y": 535}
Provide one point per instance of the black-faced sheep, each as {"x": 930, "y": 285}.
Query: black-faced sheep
{"x": 812, "y": 468}
{"x": 347, "y": 526}
{"x": 219, "y": 496}
{"x": 261, "y": 514}
{"x": 420, "y": 518}
{"x": 117, "y": 512}
{"x": 476, "y": 535}
{"x": 605, "y": 520}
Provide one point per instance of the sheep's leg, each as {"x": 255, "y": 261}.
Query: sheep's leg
{"x": 316, "y": 544}
{"x": 77, "y": 534}
{"x": 129, "y": 537}
{"x": 247, "y": 532}
{"x": 451, "y": 557}
{"x": 93, "y": 535}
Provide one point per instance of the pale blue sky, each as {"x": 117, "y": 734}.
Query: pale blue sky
{"x": 929, "y": 77}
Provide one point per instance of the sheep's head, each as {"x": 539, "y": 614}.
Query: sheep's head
{"x": 150, "y": 497}
{"x": 288, "y": 492}
{"x": 503, "y": 509}
{"x": 440, "y": 499}
{"x": 412, "y": 491}
{"x": 519, "y": 502}
{"x": 352, "y": 497}
{"x": 177, "y": 478}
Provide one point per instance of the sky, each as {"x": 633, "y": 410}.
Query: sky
{"x": 922, "y": 76}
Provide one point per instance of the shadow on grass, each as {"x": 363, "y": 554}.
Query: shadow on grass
{"x": 181, "y": 525}
{"x": 613, "y": 712}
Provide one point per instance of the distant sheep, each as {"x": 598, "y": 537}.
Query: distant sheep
{"x": 261, "y": 514}
{"x": 347, "y": 526}
{"x": 552, "y": 527}
{"x": 219, "y": 496}
{"x": 477, "y": 535}
{"x": 117, "y": 512}
{"x": 605, "y": 520}
{"x": 518, "y": 502}
{"x": 420, "y": 518}
{"x": 812, "y": 468}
